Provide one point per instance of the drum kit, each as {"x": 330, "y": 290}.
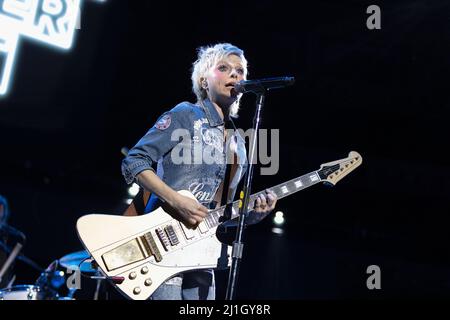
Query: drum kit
{"x": 63, "y": 279}
{"x": 75, "y": 276}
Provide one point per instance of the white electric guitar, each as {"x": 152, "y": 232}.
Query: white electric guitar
{"x": 139, "y": 253}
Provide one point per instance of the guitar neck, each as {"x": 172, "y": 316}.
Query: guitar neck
{"x": 282, "y": 190}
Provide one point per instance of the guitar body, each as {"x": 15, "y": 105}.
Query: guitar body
{"x": 139, "y": 252}
{"x": 133, "y": 248}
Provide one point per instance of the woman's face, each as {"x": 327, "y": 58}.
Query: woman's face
{"x": 221, "y": 78}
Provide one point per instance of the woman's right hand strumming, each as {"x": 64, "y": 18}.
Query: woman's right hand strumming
{"x": 189, "y": 211}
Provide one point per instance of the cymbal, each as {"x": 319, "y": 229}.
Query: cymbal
{"x": 80, "y": 260}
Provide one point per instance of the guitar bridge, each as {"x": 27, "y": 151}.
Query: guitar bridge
{"x": 132, "y": 251}
{"x": 125, "y": 254}
{"x": 150, "y": 244}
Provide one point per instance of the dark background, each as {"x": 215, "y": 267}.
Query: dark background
{"x": 383, "y": 93}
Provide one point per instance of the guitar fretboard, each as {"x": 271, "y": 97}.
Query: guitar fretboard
{"x": 282, "y": 190}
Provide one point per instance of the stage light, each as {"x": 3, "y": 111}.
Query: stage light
{"x": 279, "y": 218}
{"x": 133, "y": 190}
{"x": 278, "y": 231}
{"x": 52, "y": 22}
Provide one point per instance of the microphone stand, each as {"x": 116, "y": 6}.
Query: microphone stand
{"x": 238, "y": 244}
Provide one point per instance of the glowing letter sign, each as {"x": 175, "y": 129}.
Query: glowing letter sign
{"x": 49, "y": 21}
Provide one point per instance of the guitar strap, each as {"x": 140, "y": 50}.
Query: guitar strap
{"x": 226, "y": 182}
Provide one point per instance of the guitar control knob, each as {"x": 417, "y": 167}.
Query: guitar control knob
{"x": 132, "y": 275}
{"x": 137, "y": 290}
{"x": 144, "y": 270}
{"x": 148, "y": 282}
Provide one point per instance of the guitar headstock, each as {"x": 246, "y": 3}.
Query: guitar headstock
{"x": 332, "y": 172}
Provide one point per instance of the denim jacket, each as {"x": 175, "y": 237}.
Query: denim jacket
{"x": 187, "y": 146}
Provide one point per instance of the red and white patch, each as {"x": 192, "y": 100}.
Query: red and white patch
{"x": 164, "y": 122}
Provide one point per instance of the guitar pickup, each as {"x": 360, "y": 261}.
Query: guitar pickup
{"x": 163, "y": 239}
{"x": 188, "y": 233}
{"x": 172, "y": 235}
{"x": 203, "y": 227}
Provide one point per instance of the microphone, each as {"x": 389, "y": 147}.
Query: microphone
{"x": 263, "y": 84}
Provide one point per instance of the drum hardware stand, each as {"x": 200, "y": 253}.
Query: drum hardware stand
{"x": 10, "y": 259}
{"x": 97, "y": 289}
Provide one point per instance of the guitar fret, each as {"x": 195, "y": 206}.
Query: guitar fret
{"x": 214, "y": 219}
{"x": 236, "y": 206}
{"x": 209, "y": 222}
{"x": 313, "y": 177}
{"x": 281, "y": 191}
{"x": 277, "y": 192}
{"x": 212, "y": 222}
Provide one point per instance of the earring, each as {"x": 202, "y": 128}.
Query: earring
{"x": 205, "y": 84}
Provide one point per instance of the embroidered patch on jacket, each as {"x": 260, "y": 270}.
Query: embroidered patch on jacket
{"x": 164, "y": 122}
{"x": 213, "y": 137}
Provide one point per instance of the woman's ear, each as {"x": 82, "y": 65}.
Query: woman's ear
{"x": 204, "y": 83}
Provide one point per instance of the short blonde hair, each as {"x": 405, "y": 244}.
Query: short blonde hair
{"x": 208, "y": 56}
